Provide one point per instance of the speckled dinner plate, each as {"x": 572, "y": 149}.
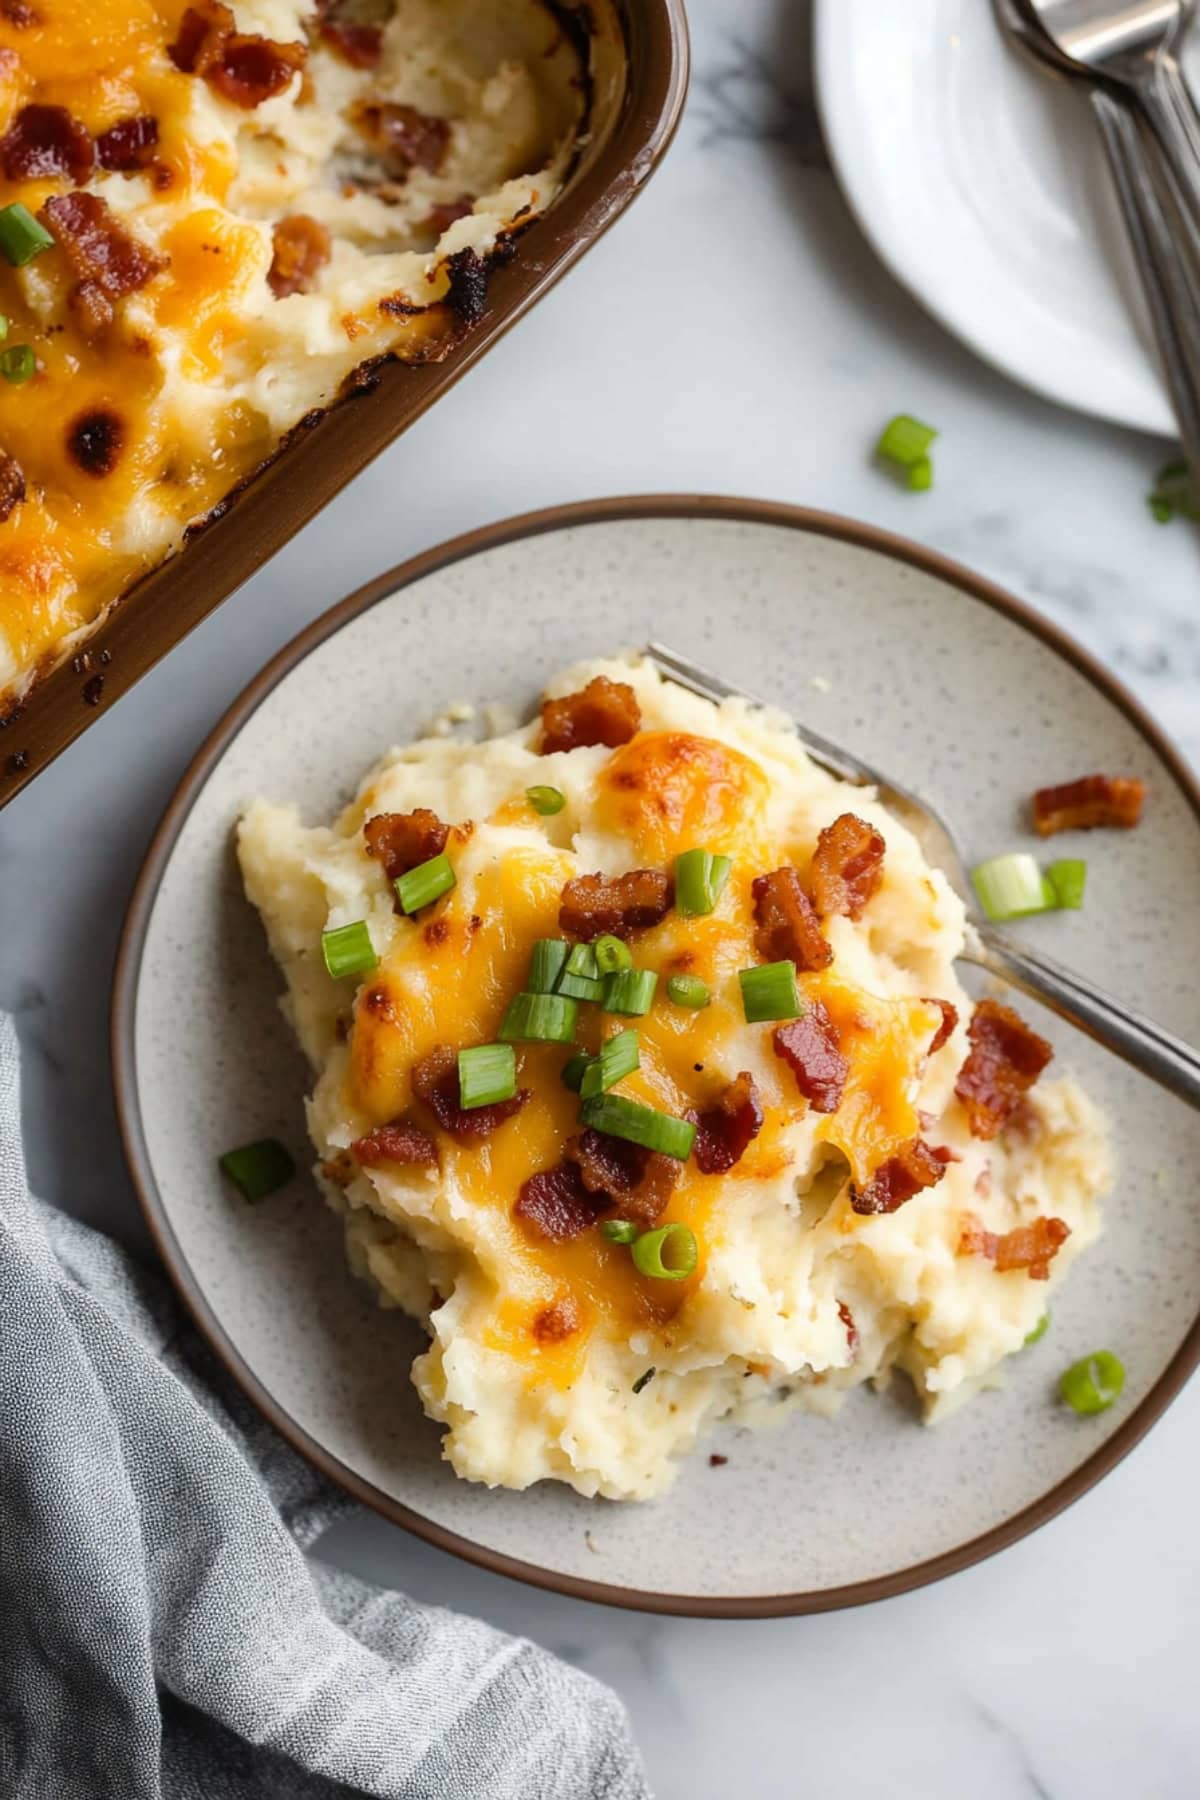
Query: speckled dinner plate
{"x": 927, "y": 671}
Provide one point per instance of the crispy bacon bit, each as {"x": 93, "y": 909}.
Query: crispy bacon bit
{"x": 408, "y": 138}
{"x": 402, "y": 841}
{"x": 95, "y": 441}
{"x": 1031, "y": 1247}
{"x": 638, "y": 1181}
{"x": 302, "y": 248}
{"x": 556, "y": 1322}
{"x": 399, "y": 1142}
{"x": 358, "y": 45}
{"x": 810, "y": 1047}
{"x": 1083, "y": 805}
{"x": 443, "y": 216}
{"x": 944, "y": 1153}
{"x": 847, "y": 866}
{"x": 244, "y": 67}
{"x": 129, "y": 144}
{"x": 19, "y": 13}
{"x": 556, "y": 1203}
{"x": 723, "y": 1131}
{"x": 46, "y": 141}
{"x": 604, "y": 712}
{"x": 615, "y": 905}
{"x": 106, "y": 259}
{"x": 847, "y": 1318}
{"x": 945, "y": 1030}
{"x": 12, "y": 485}
{"x": 898, "y": 1179}
{"x": 788, "y": 930}
{"x": 435, "y": 1081}
{"x": 1005, "y": 1060}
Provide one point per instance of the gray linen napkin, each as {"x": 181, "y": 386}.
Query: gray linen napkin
{"x": 161, "y": 1632}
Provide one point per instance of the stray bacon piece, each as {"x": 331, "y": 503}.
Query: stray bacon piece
{"x": 398, "y": 1142}
{"x": 129, "y": 144}
{"x": 810, "y": 1047}
{"x": 912, "y": 1168}
{"x": 1093, "y": 800}
{"x": 615, "y": 905}
{"x": 788, "y": 930}
{"x": 944, "y": 1153}
{"x": 625, "y": 1175}
{"x": 723, "y": 1131}
{"x": 847, "y": 1318}
{"x": 402, "y": 841}
{"x": 553, "y": 1323}
{"x": 435, "y": 1081}
{"x": 604, "y": 712}
{"x": 557, "y": 1204}
{"x": 443, "y": 215}
{"x": 302, "y": 248}
{"x": 1005, "y": 1059}
{"x": 46, "y": 141}
{"x": 359, "y": 45}
{"x": 12, "y": 485}
{"x": 847, "y": 866}
{"x": 1032, "y": 1247}
{"x": 108, "y": 261}
{"x": 945, "y": 1030}
{"x": 244, "y": 67}
{"x": 408, "y": 138}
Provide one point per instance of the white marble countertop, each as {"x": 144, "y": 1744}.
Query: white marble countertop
{"x": 732, "y": 334}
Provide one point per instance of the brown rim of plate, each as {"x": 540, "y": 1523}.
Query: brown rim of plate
{"x": 556, "y": 518}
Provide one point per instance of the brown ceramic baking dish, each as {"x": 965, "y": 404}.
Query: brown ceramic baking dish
{"x": 639, "y": 58}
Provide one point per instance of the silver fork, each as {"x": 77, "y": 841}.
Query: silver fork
{"x": 1158, "y": 1053}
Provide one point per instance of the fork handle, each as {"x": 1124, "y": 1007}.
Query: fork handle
{"x": 1138, "y": 1040}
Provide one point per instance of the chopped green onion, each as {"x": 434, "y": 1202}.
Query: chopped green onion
{"x": 1068, "y": 879}
{"x": 699, "y": 879}
{"x": 425, "y": 884}
{"x": 18, "y": 362}
{"x": 348, "y": 950}
{"x": 3, "y": 328}
{"x": 630, "y": 991}
{"x": 769, "y": 992}
{"x": 644, "y": 1380}
{"x": 618, "y": 1057}
{"x": 486, "y": 1073}
{"x": 905, "y": 441}
{"x": 920, "y": 476}
{"x": 668, "y": 1252}
{"x": 612, "y": 955}
{"x": 539, "y": 1019}
{"x": 546, "y": 964}
{"x": 574, "y": 1070}
{"x": 1174, "y": 492}
{"x": 639, "y": 1124}
{"x": 1093, "y": 1383}
{"x": 257, "y": 1170}
{"x": 689, "y": 991}
{"x": 1011, "y": 887}
{"x": 619, "y": 1231}
{"x": 1039, "y": 1330}
{"x": 582, "y": 961}
{"x": 21, "y": 236}
{"x": 581, "y": 977}
{"x": 545, "y": 800}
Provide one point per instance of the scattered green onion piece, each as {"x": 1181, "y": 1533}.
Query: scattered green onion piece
{"x": 689, "y": 991}
{"x": 486, "y": 1073}
{"x": 639, "y": 1124}
{"x": 3, "y": 328}
{"x": 18, "y": 362}
{"x": 425, "y": 884}
{"x": 630, "y": 992}
{"x": 582, "y": 961}
{"x": 259, "y": 1169}
{"x": 1011, "y": 887}
{"x": 612, "y": 955}
{"x": 618, "y": 1057}
{"x": 574, "y": 1070}
{"x": 1093, "y": 1383}
{"x": 539, "y": 1019}
{"x": 580, "y": 987}
{"x": 546, "y": 800}
{"x": 919, "y": 479}
{"x": 700, "y": 877}
{"x": 1173, "y": 493}
{"x": 668, "y": 1252}
{"x": 619, "y": 1231}
{"x": 644, "y": 1380}
{"x": 547, "y": 963}
{"x": 905, "y": 441}
{"x": 1039, "y": 1330}
{"x": 1068, "y": 879}
{"x": 769, "y": 992}
{"x": 348, "y": 950}
{"x": 21, "y": 236}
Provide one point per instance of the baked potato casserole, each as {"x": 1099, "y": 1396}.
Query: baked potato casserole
{"x": 645, "y": 1081}
{"x": 218, "y": 218}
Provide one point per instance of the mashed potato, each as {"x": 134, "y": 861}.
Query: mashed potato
{"x": 794, "y": 1288}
